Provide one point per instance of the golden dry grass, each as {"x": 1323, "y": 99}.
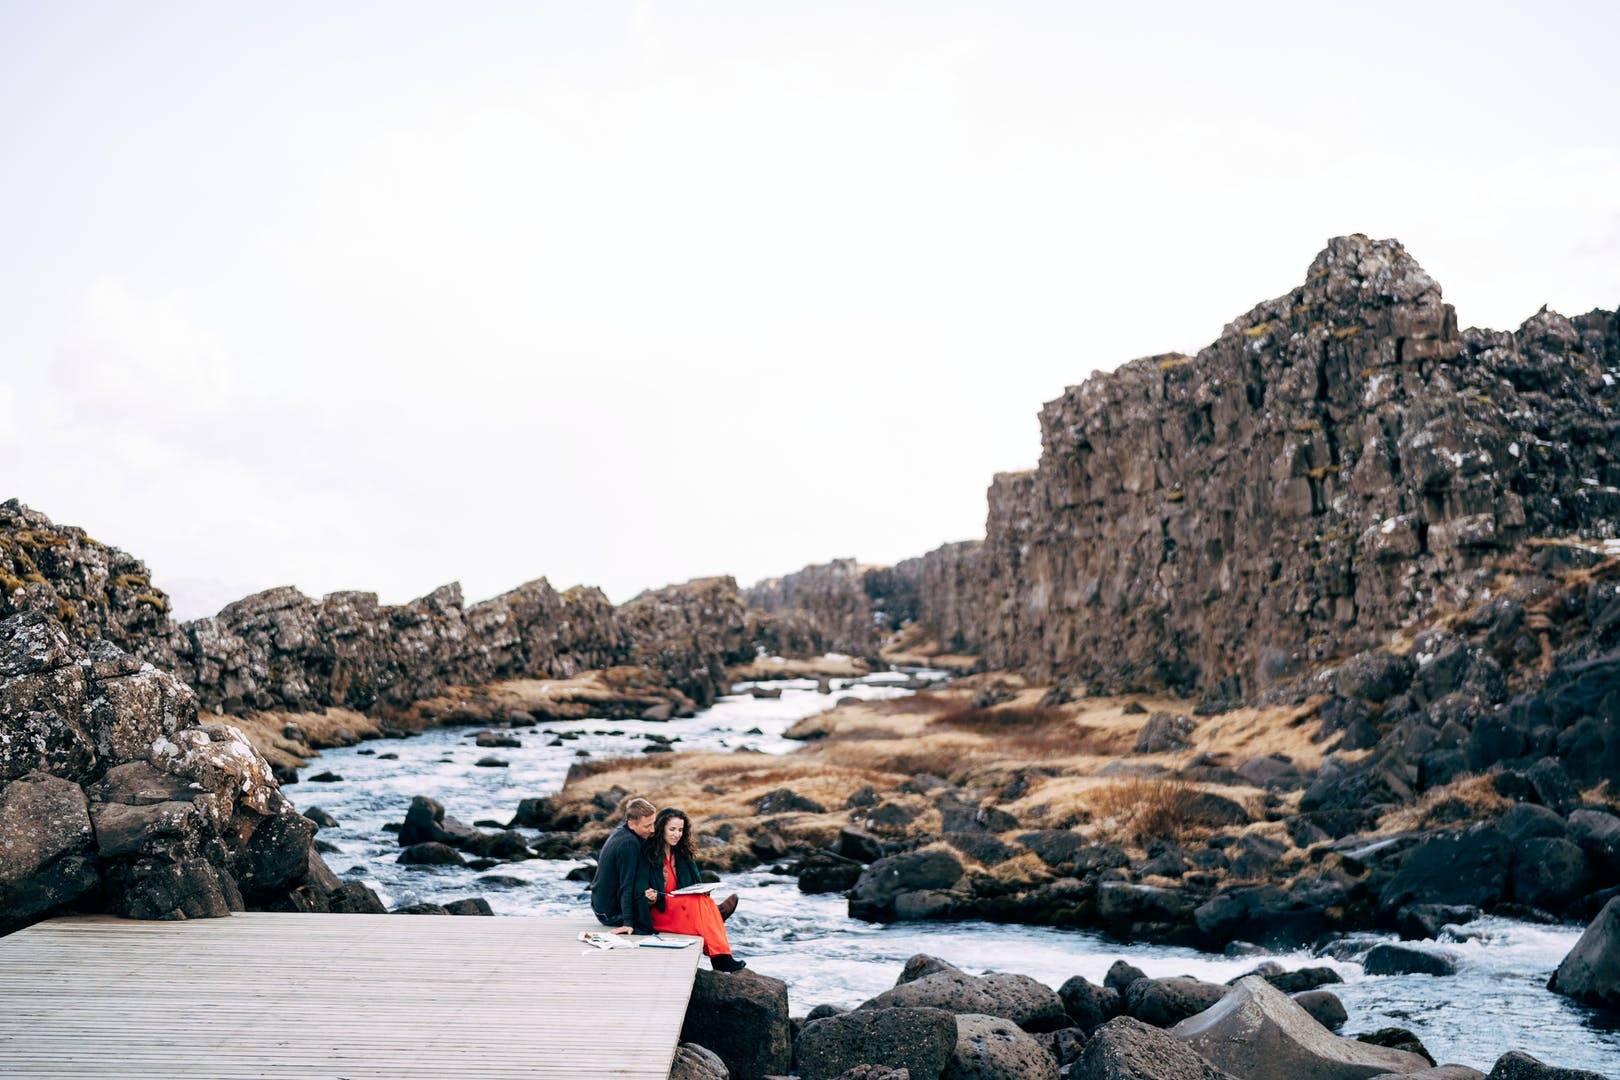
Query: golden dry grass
{"x": 626, "y": 688}
{"x": 777, "y": 667}
{"x": 1467, "y": 798}
{"x": 322, "y": 730}
{"x": 1137, "y": 809}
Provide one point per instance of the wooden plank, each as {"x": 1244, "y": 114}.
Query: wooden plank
{"x": 276, "y": 995}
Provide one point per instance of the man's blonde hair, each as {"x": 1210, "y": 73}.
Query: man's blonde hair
{"x": 638, "y": 808}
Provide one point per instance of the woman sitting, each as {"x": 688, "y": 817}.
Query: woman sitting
{"x": 668, "y": 865}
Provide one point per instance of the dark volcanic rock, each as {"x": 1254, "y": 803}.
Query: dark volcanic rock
{"x": 1397, "y": 1038}
{"x": 1089, "y": 1006}
{"x": 1548, "y": 873}
{"x": 1166, "y": 1002}
{"x": 1517, "y": 1065}
{"x": 1469, "y": 867}
{"x": 922, "y": 964}
{"x": 917, "y": 1039}
{"x": 742, "y": 1017}
{"x": 1405, "y": 960}
{"x": 1325, "y": 1008}
{"x": 1127, "y": 1049}
{"x": 431, "y": 853}
{"x": 993, "y": 1048}
{"x": 113, "y": 797}
{"x": 693, "y": 1062}
{"x": 1259, "y": 1033}
{"x": 784, "y": 801}
{"x": 1031, "y": 1005}
{"x": 1341, "y": 462}
{"x": 1591, "y": 971}
{"x": 880, "y": 891}
{"x": 1121, "y": 975}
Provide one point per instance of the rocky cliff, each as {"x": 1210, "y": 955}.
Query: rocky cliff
{"x": 1341, "y": 463}
{"x": 114, "y": 797}
{"x": 280, "y": 649}
{"x": 841, "y": 606}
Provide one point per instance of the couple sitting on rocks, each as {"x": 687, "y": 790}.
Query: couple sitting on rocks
{"x": 641, "y": 865}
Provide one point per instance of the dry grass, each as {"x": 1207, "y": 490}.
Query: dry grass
{"x": 625, "y": 689}
{"x": 320, "y": 731}
{"x": 1465, "y": 799}
{"x": 777, "y": 667}
{"x": 1137, "y": 810}
{"x": 1002, "y": 719}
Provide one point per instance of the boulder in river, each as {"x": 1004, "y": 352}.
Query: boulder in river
{"x": 1259, "y": 1033}
{"x": 879, "y": 887}
{"x": 1031, "y": 1005}
{"x": 1591, "y": 971}
{"x": 426, "y": 821}
{"x": 1468, "y": 867}
{"x": 1325, "y": 1008}
{"x": 994, "y": 1048}
{"x": 1517, "y": 1065}
{"x": 919, "y": 1040}
{"x": 1548, "y": 872}
{"x": 431, "y": 853}
{"x": 742, "y": 1017}
{"x": 1405, "y": 960}
{"x": 1127, "y": 1049}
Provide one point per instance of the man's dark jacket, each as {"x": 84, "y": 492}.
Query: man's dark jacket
{"x": 650, "y": 875}
{"x": 612, "y": 890}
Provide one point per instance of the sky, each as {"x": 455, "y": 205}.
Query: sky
{"x": 381, "y": 296}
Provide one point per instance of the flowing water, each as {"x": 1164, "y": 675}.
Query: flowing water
{"x": 1496, "y": 1002}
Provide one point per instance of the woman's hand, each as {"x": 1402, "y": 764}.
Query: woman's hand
{"x": 652, "y": 896}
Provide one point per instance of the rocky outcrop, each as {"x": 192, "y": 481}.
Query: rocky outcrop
{"x": 115, "y": 797}
{"x": 690, "y": 633}
{"x": 919, "y": 1040}
{"x": 284, "y": 651}
{"x": 840, "y": 606}
{"x": 1341, "y": 462}
{"x": 1031, "y": 1005}
{"x": 93, "y": 590}
{"x": 1127, "y": 1049}
{"x": 1259, "y": 1033}
{"x": 991, "y": 1048}
{"x": 742, "y": 1018}
{"x": 1591, "y": 971}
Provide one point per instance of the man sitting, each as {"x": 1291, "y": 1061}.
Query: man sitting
{"x": 612, "y": 888}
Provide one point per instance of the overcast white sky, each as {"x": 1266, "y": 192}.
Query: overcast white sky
{"x": 622, "y": 294}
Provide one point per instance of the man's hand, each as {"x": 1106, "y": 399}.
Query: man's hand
{"x": 623, "y": 930}
{"x": 652, "y": 896}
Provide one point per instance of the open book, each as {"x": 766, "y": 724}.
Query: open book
{"x": 701, "y": 889}
{"x": 597, "y": 940}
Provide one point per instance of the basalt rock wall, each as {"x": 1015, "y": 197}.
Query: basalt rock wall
{"x": 115, "y": 797}
{"x": 280, "y": 649}
{"x": 839, "y": 606}
{"x": 1342, "y": 462}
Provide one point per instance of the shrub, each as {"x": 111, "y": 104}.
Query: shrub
{"x": 1141, "y": 809}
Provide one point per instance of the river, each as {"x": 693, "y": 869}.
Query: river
{"x": 1496, "y": 1002}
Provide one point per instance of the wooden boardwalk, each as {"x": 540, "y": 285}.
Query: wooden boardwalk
{"x": 324, "y": 997}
